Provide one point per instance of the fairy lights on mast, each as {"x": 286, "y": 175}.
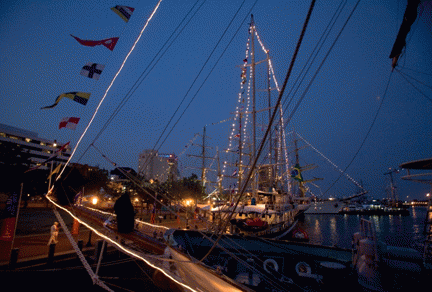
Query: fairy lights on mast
{"x": 282, "y": 126}
{"x": 242, "y": 112}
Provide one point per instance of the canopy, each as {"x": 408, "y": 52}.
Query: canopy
{"x": 418, "y": 164}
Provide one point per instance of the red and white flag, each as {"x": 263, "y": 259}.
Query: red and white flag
{"x": 69, "y": 123}
{"x": 109, "y": 43}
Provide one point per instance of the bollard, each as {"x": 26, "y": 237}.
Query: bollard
{"x": 13, "y": 258}
{"x": 89, "y": 239}
{"x": 80, "y": 244}
{"x": 51, "y": 251}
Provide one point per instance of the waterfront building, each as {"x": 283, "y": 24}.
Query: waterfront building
{"x": 39, "y": 149}
{"x": 158, "y": 166}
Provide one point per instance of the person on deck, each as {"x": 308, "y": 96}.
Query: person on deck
{"x": 125, "y": 214}
{"x": 54, "y": 233}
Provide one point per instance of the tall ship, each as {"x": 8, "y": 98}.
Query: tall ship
{"x": 257, "y": 194}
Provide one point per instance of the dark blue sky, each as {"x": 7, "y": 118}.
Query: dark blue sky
{"x": 40, "y": 60}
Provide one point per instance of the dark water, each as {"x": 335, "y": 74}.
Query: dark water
{"x": 337, "y": 230}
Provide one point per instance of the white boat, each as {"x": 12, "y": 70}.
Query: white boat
{"x": 325, "y": 207}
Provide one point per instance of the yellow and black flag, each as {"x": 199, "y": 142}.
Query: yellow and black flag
{"x": 80, "y": 97}
{"x": 124, "y": 12}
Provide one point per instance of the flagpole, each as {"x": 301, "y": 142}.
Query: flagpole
{"x": 16, "y": 220}
{"x": 49, "y": 182}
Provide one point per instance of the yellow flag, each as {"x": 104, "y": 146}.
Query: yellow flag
{"x": 56, "y": 170}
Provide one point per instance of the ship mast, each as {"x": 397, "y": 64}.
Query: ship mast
{"x": 203, "y": 157}
{"x": 254, "y": 177}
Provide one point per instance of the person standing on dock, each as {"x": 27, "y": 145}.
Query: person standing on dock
{"x": 124, "y": 210}
{"x": 54, "y": 233}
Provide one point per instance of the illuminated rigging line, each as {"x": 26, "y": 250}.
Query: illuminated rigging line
{"x": 157, "y": 257}
{"x": 172, "y": 128}
{"x": 119, "y": 246}
{"x": 281, "y": 131}
{"x": 131, "y": 178}
{"x": 320, "y": 46}
{"x": 366, "y": 136}
{"x": 240, "y": 106}
{"x": 299, "y": 42}
{"x": 109, "y": 87}
{"x": 138, "y": 81}
{"x": 233, "y": 244}
{"x": 81, "y": 221}
{"x": 329, "y": 161}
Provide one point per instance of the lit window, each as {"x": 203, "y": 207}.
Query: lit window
{"x": 42, "y": 143}
{"x": 27, "y": 140}
{"x": 13, "y": 137}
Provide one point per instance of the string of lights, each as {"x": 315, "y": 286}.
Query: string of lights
{"x": 240, "y": 126}
{"x": 109, "y": 87}
{"x": 116, "y": 244}
{"x": 331, "y": 162}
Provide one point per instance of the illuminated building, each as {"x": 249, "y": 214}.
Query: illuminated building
{"x": 39, "y": 149}
{"x": 157, "y": 166}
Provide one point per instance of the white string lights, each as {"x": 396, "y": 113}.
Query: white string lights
{"x": 329, "y": 161}
{"x": 119, "y": 246}
{"x": 241, "y": 126}
{"x": 239, "y": 108}
{"x": 109, "y": 87}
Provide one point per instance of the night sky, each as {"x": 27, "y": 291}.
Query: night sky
{"x": 40, "y": 60}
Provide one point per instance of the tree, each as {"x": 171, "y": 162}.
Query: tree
{"x": 14, "y": 161}
{"x": 77, "y": 177}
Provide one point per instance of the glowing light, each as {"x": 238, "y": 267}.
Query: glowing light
{"x": 329, "y": 161}
{"x": 94, "y": 200}
{"x": 109, "y": 87}
{"x": 125, "y": 250}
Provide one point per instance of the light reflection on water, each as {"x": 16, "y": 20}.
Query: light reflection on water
{"x": 337, "y": 230}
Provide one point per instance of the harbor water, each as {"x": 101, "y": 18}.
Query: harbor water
{"x": 338, "y": 230}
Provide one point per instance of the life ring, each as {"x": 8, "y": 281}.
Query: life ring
{"x": 273, "y": 262}
{"x": 303, "y": 268}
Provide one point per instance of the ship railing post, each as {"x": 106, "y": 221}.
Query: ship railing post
{"x": 100, "y": 256}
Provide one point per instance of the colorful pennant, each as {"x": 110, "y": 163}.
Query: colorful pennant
{"x": 80, "y": 97}
{"x": 109, "y": 43}
{"x": 124, "y": 12}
